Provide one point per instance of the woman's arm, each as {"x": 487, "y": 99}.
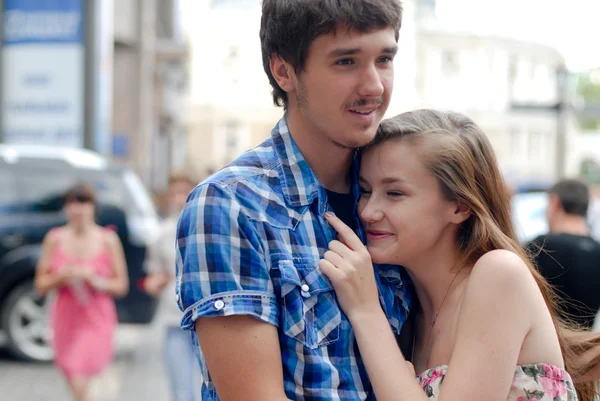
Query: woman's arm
{"x": 496, "y": 316}
{"x": 118, "y": 285}
{"x": 392, "y": 377}
{"x": 492, "y": 325}
{"x": 45, "y": 280}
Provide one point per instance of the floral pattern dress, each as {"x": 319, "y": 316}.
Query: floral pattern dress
{"x": 538, "y": 382}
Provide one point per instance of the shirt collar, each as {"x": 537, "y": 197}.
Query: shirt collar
{"x": 300, "y": 185}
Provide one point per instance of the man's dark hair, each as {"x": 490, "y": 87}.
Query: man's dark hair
{"x": 288, "y": 28}
{"x": 573, "y": 195}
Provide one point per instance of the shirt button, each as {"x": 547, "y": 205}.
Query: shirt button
{"x": 305, "y": 288}
{"x": 176, "y": 297}
{"x": 219, "y": 305}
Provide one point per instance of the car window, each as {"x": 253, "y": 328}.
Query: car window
{"x": 42, "y": 184}
{"x": 8, "y": 188}
{"x": 529, "y": 215}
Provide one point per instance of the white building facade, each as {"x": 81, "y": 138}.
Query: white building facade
{"x": 507, "y": 86}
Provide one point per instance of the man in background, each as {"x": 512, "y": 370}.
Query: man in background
{"x": 568, "y": 257}
{"x": 179, "y": 351}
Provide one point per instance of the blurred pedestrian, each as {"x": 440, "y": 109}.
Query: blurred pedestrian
{"x": 568, "y": 256}
{"x": 179, "y": 352}
{"x": 85, "y": 264}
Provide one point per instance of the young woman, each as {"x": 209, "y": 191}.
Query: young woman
{"x": 85, "y": 264}
{"x": 433, "y": 200}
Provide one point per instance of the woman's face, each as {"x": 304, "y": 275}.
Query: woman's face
{"x": 80, "y": 210}
{"x": 401, "y": 206}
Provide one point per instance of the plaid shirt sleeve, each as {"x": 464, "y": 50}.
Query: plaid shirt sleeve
{"x": 221, "y": 268}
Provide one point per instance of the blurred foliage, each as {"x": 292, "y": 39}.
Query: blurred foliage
{"x": 590, "y": 171}
{"x": 588, "y": 89}
{"x": 588, "y": 124}
{"x": 588, "y": 85}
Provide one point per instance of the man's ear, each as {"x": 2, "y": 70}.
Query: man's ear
{"x": 554, "y": 204}
{"x": 283, "y": 72}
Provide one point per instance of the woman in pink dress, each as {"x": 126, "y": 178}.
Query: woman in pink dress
{"x": 86, "y": 265}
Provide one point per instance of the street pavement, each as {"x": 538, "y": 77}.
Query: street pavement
{"x": 136, "y": 374}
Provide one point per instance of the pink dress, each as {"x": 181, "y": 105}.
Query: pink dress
{"x": 83, "y": 320}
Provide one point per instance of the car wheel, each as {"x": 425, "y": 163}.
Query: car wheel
{"x": 24, "y": 318}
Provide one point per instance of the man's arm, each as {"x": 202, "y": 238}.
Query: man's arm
{"x": 243, "y": 357}
{"x": 225, "y": 290}
{"x": 156, "y": 268}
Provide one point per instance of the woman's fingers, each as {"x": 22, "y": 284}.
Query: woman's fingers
{"x": 346, "y": 234}
{"x": 329, "y": 269}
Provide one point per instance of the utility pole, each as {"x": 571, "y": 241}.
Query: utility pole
{"x": 89, "y": 38}
{"x": 562, "y": 116}
{"x": 1, "y": 70}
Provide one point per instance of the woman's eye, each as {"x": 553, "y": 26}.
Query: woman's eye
{"x": 364, "y": 192}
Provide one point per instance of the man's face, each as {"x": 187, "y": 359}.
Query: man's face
{"x": 345, "y": 87}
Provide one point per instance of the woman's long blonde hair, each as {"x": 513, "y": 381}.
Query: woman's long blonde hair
{"x": 460, "y": 156}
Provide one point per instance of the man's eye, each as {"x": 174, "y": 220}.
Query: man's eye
{"x": 346, "y": 61}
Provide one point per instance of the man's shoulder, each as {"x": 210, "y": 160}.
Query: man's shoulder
{"x": 257, "y": 168}
{"x": 539, "y": 240}
{"x": 251, "y": 184}
{"x": 549, "y": 240}
{"x": 255, "y": 163}
{"x": 552, "y": 240}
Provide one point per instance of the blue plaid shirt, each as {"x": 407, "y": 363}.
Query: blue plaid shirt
{"x": 249, "y": 240}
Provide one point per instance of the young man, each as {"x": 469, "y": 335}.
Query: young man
{"x": 568, "y": 258}
{"x": 180, "y": 362}
{"x": 250, "y": 238}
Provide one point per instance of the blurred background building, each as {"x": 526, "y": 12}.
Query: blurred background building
{"x": 150, "y": 84}
{"x": 519, "y": 91}
{"x": 509, "y": 87}
{"x": 114, "y": 83}
{"x": 160, "y": 84}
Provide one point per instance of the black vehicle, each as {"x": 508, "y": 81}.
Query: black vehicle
{"x": 32, "y": 181}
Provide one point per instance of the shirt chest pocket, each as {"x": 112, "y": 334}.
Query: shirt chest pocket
{"x": 310, "y": 312}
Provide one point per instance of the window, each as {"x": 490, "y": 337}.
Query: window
{"x": 512, "y": 69}
{"x": 450, "y": 65}
{"x": 515, "y": 141}
{"x": 8, "y": 185}
{"x": 535, "y": 145}
{"x": 231, "y": 132}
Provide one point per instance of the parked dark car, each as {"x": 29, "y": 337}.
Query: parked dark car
{"x": 33, "y": 180}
